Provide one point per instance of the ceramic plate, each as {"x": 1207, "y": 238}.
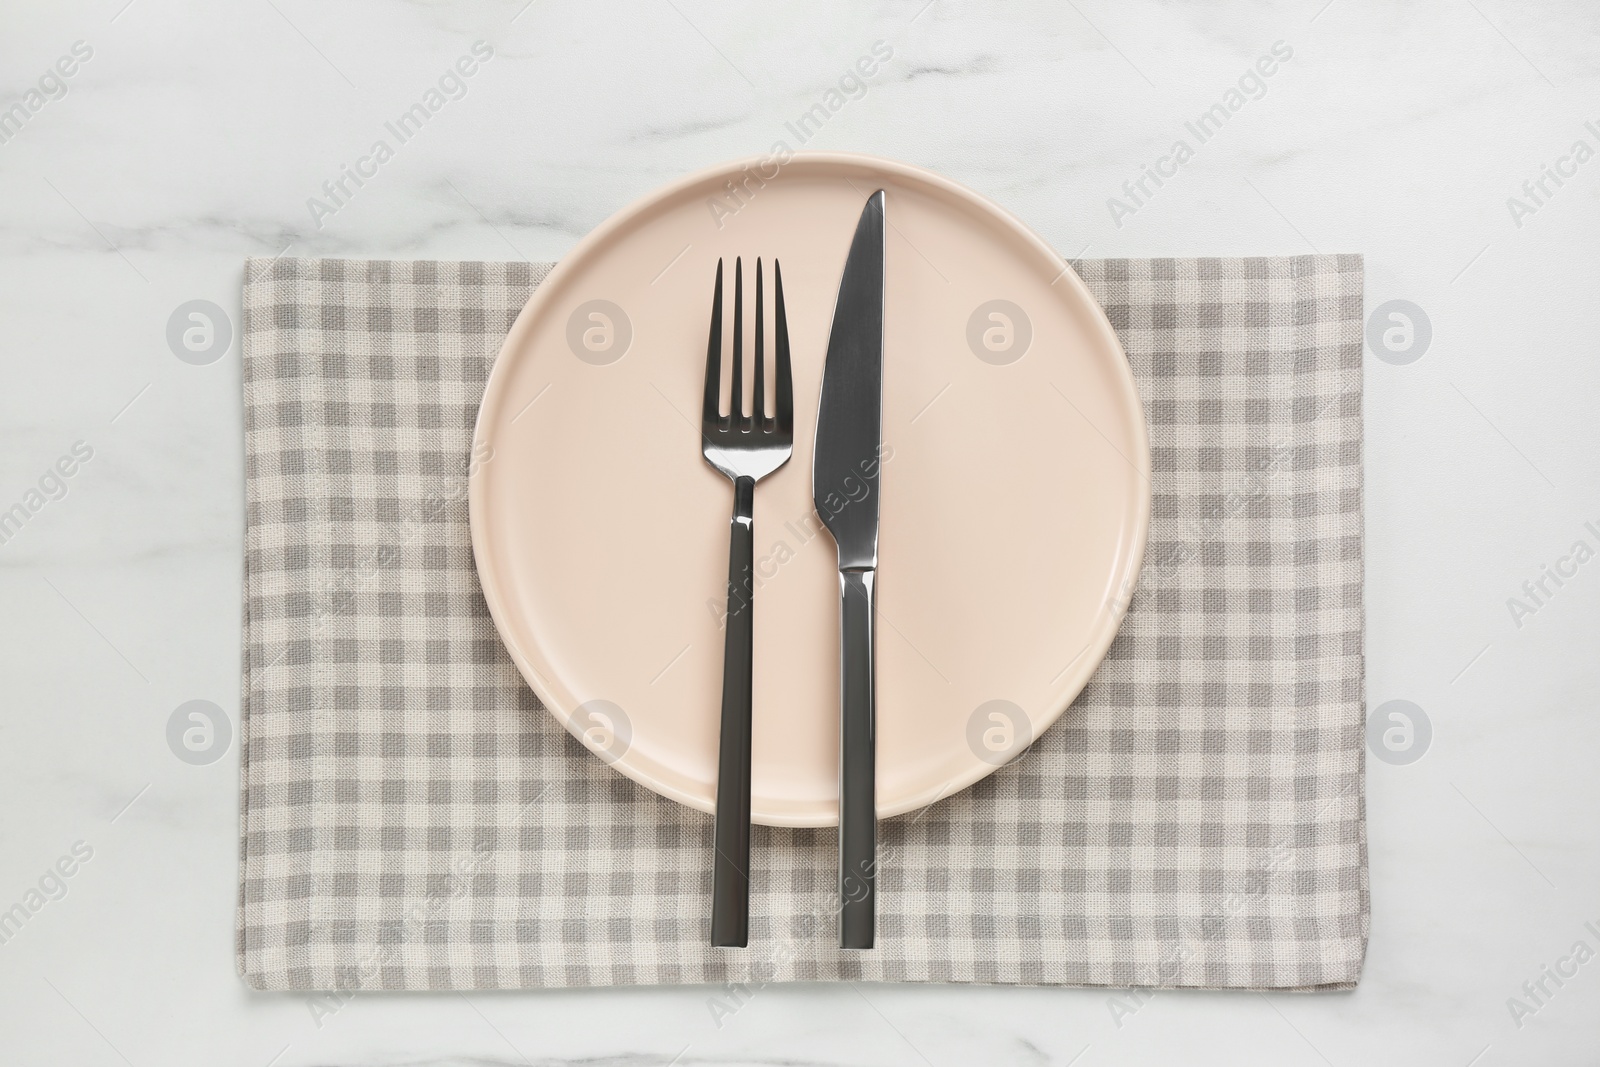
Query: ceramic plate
{"x": 1015, "y": 490}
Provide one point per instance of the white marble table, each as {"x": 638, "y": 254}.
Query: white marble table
{"x": 189, "y": 135}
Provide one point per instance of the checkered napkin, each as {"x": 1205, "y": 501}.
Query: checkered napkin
{"x": 412, "y": 818}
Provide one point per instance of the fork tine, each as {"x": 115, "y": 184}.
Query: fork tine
{"x": 781, "y": 376}
{"x": 758, "y": 402}
{"x": 735, "y": 411}
{"x": 713, "y": 394}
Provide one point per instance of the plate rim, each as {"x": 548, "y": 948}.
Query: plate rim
{"x": 1088, "y": 661}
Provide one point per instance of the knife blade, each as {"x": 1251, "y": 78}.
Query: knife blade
{"x": 844, "y": 488}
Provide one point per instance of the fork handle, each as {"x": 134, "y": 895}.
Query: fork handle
{"x": 730, "y": 878}
{"x": 858, "y": 809}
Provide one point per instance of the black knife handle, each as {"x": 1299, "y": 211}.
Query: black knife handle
{"x": 730, "y": 871}
{"x": 858, "y": 807}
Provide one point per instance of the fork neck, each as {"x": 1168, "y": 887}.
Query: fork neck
{"x": 744, "y": 500}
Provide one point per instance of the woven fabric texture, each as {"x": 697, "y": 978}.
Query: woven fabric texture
{"x": 412, "y": 819}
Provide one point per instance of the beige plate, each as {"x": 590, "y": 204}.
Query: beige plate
{"x": 1014, "y": 503}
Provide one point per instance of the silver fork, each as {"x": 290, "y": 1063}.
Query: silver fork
{"x": 746, "y": 448}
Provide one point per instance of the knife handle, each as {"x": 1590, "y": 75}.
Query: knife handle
{"x": 730, "y": 869}
{"x": 858, "y": 807}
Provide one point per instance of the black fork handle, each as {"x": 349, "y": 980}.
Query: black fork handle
{"x": 730, "y": 873}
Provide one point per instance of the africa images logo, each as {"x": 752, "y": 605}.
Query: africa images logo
{"x": 51, "y": 486}
{"x": 51, "y": 85}
{"x": 339, "y": 190}
{"x": 1251, "y": 85}
{"x": 52, "y": 886}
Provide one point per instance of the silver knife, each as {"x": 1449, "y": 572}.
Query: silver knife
{"x": 844, "y": 489}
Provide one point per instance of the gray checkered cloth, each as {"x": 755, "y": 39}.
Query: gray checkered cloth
{"x": 412, "y": 818}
